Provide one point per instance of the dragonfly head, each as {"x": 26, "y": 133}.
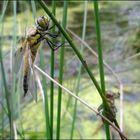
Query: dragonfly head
{"x": 42, "y": 23}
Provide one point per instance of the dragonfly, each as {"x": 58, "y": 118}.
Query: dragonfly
{"x": 26, "y": 54}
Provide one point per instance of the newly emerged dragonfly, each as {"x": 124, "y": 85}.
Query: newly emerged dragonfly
{"x": 26, "y": 54}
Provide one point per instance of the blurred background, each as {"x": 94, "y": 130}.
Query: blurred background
{"x": 120, "y": 36}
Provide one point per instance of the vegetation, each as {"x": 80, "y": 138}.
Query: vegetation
{"x": 97, "y": 59}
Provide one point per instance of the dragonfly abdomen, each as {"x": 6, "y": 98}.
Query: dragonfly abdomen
{"x": 25, "y": 84}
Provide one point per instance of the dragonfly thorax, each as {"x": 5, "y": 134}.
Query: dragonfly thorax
{"x": 33, "y": 38}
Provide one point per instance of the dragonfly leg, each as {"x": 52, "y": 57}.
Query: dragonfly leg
{"x": 56, "y": 47}
{"x": 53, "y": 35}
{"x": 51, "y": 44}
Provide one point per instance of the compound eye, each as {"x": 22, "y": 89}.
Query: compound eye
{"x": 42, "y": 23}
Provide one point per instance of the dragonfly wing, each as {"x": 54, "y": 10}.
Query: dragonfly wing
{"x": 33, "y": 85}
{"x": 18, "y": 57}
{"x": 32, "y": 80}
{"x": 18, "y": 60}
{"x": 19, "y": 87}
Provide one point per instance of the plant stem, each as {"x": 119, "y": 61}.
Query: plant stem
{"x": 61, "y": 64}
{"x": 3, "y": 72}
{"x": 100, "y": 60}
{"x": 52, "y": 75}
{"x": 33, "y": 6}
{"x": 80, "y": 68}
{"x": 46, "y": 106}
{"x": 13, "y": 96}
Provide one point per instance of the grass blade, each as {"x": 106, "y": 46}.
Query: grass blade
{"x": 80, "y": 68}
{"x": 33, "y": 8}
{"x": 61, "y": 64}
{"x": 100, "y": 60}
{"x": 52, "y": 75}
{"x": 14, "y": 96}
{"x": 46, "y": 106}
{"x": 5, "y": 3}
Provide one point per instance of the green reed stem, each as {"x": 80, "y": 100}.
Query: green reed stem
{"x": 4, "y": 82}
{"x": 100, "y": 60}
{"x": 14, "y": 95}
{"x": 6, "y": 92}
{"x": 52, "y": 75}
{"x": 33, "y": 8}
{"x": 46, "y": 106}
{"x": 1, "y": 75}
{"x": 61, "y": 64}
{"x": 80, "y": 68}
